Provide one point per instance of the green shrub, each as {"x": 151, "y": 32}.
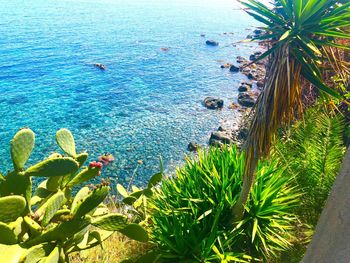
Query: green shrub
{"x": 48, "y": 225}
{"x": 191, "y": 217}
{"x": 313, "y": 150}
{"x": 136, "y": 202}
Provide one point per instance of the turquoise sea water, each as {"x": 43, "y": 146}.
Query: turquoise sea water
{"x": 147, "y": 103}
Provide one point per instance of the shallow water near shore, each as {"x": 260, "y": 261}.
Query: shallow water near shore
{"x": 147, "y": 103}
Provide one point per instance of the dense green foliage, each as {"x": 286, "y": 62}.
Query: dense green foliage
{"x": 313, "y": 150}
{"x": 50, "y": 224}
{"x": 191, "y": 220}
{"x": 305, "y": 27}
{"x": 136, "y": 201}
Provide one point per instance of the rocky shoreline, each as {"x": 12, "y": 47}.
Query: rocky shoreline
{"x": 233, "y": 130}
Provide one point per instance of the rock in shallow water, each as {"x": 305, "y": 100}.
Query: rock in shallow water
{"x": 213, "y": 103}
{"x": 243, "y": 88}
{"x": 192, "y": 147}
{"x": 246, "y": 100}
{"x": 211, "y": 43}
{"x": 100, "y": 66}
{"x": 260, "y": 84}
{"x": 233, "y": 68}
{"x": 219, "y": 138}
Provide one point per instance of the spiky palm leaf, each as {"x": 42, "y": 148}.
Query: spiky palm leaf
{"x": 297, "y": 31}
{"x": 313, "y": 152}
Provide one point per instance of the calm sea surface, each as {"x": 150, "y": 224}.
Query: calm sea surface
{"x": 147, "y": 103}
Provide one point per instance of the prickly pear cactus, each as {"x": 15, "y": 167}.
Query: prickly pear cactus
{"x": 47, "y": 223}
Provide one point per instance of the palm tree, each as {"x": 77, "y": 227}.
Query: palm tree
{"x": 299, "y": 33}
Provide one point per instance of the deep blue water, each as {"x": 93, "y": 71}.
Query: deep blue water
{"x": 147, "y": 103}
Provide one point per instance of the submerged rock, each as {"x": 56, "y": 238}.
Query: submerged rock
{"x": 192, "y": 147}
{"x": 260, "y": 84}
{"x": 226, "y": 65}
{"x": 219, "y": 138}
{"x": 233, "y": 106}
{"x": 243, "y": 88}
{"x": 246, "y": 100}
{"x": 255, "y": 56}
{"x": 100, "y": 66}
{"x": 234, "y": 68}
{"x": 211, "y": 43}
{"x": 242, "y": 134}
{"x": 257, "y": 31}
{"x": 250, "y": 84}
{"x": 213, "y": 103}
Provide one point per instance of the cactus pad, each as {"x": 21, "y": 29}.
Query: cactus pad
{"x": 53, "y": 183}
{"x": 136, "y": 232}
{"x": 34, "y": 227}
{"x": 81, "y": 158}
{"x": 17, "y": 226}
{"x": 54, "y": 256}
{"x": 111, "y": 222}
{"x": 7, "y": 235}
{"x": 65, "y": 140}
{"x": 41, "y": 192}
{"x": 10, "y": 253}
{"x": 101, "y": 211}
{"x": 61, "y": 232}
{"x": 53, "y": 205}
{"x": 91, "y": 201}
{"x": 11, "y": 207}
{"x": 22, "y": 145}
{"x": 83, "y": 193}
{"x": 86, "y": 174}
{"x": 53, "y": 167}
{"x": 34, "y": 254}
{"x": 17, "y": 184}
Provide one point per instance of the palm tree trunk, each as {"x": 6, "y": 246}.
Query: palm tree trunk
{"x": 248, "y": 181}
{"x": 278, "y": 103}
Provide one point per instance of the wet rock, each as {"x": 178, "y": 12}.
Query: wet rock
{"x": 260, "y": 84}
{"x": 211, "y": 43}
{"x": 250, "y": 76}
{"x": 242, "y": 134}
{"x": 192, "y": 147}
{"x": 240, "y": 59}
{"x": 100, "y": 66}
{"x": 252, "y": 57}
{"x": 246, "y": 100}
{"x": 233, "y": 106}
{"x": 250, "y": 84}
{"x": 219, "y": 138}
{"x": 243, "y": 88}
{"x": 257, "y": 31}
{"x": 213, "y": 103}
{"x": 255, "y": 56}
{"x": 221, "y": 128}
{"x": 233, "y": 68}
{"x": 226, "y": 65}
